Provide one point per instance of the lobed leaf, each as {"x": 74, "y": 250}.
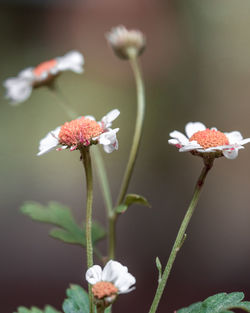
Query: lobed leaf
{"x": 219, "y": 303}
{"x": 61, "y": 216}
{"x": 47, "y": 309}
{"x": 77, "y": 300}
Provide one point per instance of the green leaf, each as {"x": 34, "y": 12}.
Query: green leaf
{"x": 192, "y": 308}
{"x": 159, "y": 267}
{"x": 57, "y": 214}
{"x": 129, "y": 200}
{"x": 77, "y": 300}
{"x": 47, "y": 309}
{"x": 219, "y": 303}
{"x": 121, "y": 208}
{"x": 133, "y": 198}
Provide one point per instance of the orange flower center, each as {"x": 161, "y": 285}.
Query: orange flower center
{"x": 44, "y": 67}
{"x": 210, "y": 138}
{"x": 79, "y": 132}
{"x": 104, "y": 289}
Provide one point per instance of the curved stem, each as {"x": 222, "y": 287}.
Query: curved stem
{"x": 181, "y": 235}
{"x": 133, "y": 152}
{"x": 85, "y": 154}
{"x": 138, "y": 129}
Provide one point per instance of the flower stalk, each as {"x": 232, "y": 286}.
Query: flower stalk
{"x": 208, "y": 163}
{"x": 133, "y": 152}
{"x": 86, "y": 159}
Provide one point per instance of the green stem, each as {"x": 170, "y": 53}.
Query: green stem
{"x": 96, "y": 156}
{"x": 138, "y": 128}
{"x": 181, "y": 235}
{"x": 133, "y": 152}
{"x": 62, "y": 101}
{"x": 86, "y": 159}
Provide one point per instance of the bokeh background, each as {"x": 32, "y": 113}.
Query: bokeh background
{"x": 196, "y": 68}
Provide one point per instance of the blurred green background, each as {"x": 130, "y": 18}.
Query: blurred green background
{"x": 196, "y": 68}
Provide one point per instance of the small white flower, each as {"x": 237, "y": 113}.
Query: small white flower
{"x": 18, "y": 89}
{"x": 203, "y": 141}
{"x": 126, "y": 43}
{"x": 112, "y": 280}
{"x": 82, "y": 132}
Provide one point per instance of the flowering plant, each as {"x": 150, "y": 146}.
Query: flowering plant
{"x": 83, "y": 134}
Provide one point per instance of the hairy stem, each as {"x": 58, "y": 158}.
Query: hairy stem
{"x": 180, "y": 236}
{"x": 86, "y": 159}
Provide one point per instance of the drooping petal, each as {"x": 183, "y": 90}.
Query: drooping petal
{"x": 234, "y": 137}
{"x": 231, "y": 153}
{"x": 183, "y": 140}
{"x": 27, "y": 74}
{"x": 94, "y": 274}
{"x": 193, "y": 127}
{"x": 124, "y": 282}
{"x": 107, "y": 120}
{"x": 73, "y": 61}
{"x": 113, "y": 270}
{"x": 18, "y": 89}
{"x": 109, "y": 140}
{"x": 49, "y": 142}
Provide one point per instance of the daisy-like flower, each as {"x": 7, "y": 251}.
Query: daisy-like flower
{"x": 82, "y": 132}
{"x": 106, "y": 284}
{"x": 19, "y": 88}
{"x": 126, "y": 43}
{"x": 208, "y": 143}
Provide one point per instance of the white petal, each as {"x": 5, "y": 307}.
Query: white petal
{"x": 27, "y": 74}
{"x": 182, "y": 139}
{"x": 244, "y": 141}
{"x": 192, "y": 128}
{"x": 90, "y": 117}
{"x": 190, "y": 147}
{"x": 234, "y": 137}
{"x": 113, "y": 270}
{"x": 173, "y": 142}
{"x": 18, "y": 89}
{"x": 109, "y": 140}
{"x": 73, "y": 61}
{"x": 231, "y": 153}
{"x": 124, "y": 282}
{"x": 107, "y": 120}
{"x": 49, "y": 142}
{"x": 94, "y": 274}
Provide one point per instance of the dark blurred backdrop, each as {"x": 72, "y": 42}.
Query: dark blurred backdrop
{"x": 197, "y": 68}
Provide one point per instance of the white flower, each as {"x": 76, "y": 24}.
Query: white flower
{"x": 18, "y": 89}
{"x": 203, "y": 141}
{"x": 114, "y": 273}
{"x": 82, "y": 132}
{"x": 126, "y": 43}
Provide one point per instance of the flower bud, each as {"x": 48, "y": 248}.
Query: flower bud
{"x": 127, "y": 44}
